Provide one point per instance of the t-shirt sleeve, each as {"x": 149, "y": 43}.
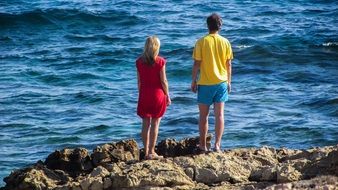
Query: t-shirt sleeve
{"x": 229, "y": 54}
{"x": 162, "y": 62}
{"x": 197, "y": 53}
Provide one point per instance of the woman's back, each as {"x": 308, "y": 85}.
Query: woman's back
{"x": 152, "y": 99}
{"x": 150, "y": 74}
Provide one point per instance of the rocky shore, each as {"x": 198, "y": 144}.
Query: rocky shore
{"x": 120, "y": 165}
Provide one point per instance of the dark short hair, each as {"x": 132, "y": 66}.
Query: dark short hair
{"x": 214, "y": 22}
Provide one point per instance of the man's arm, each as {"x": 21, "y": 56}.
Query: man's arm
{"x": 229, "y": 72}
{"x": 195, "y": 70}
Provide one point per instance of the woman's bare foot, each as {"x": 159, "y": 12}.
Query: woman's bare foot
{"x": 153, "y": 156}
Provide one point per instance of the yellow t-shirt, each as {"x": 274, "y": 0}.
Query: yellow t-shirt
{"x": 213, "y": 51}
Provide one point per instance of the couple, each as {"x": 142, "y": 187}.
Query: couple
{"x": 212, "y": 60}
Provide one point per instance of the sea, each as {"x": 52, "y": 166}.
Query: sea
{"x": 68, "y": 77}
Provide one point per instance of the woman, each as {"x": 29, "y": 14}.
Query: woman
{"x": 153, "y": 94}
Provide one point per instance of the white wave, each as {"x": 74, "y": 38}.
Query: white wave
{"x": 329, "y": 44}
{"x": 243, "y": 46}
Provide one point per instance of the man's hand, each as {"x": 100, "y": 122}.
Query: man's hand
{"x": 194, "y": 86}
{"x": 195, "y": 70}
{"x": 229, "y": 88}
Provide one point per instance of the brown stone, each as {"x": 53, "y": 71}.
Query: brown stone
{"x": 118, "y": 167}
{"x": 126, "y": 150}
{"x": 151, "y": 173}
{"x": 72, "y": 161}
{"x": 286, "y": 173}
{"x": 35, "y": 177}
{"x": 173, "y": 148}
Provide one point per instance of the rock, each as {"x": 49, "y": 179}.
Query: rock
{"x": 75, "y": 186}
{"x": 208, "y": 176}
{"x": 172, "y": 148}
{"x": 64, "y": 187}
{"x": 264, "y": 173}
{"x": 72, "y": 161}
{"x": 190, "y": 172}
{"x": 85, "y": 183}
{"x": 300, "y": 164}
{"x": 185, "y": 162}
{"x": 284, "y": 154}
{"x": 312, "y": 155}
{"x": 216, "y": 167}
{"x": 97, "y": 184}
{"x": 126, "y": 150}
{"x": 286, "y": 173}
{"x": 91, "y": 183}
{"x": 168, "y": 147}
{"x": 282, "y": 186}
{"x": 35, "y": 177}
{"x": 107, "y": 183}
{"x": 151, "y": 173}
{"x": 269, "y": 174}
{"x": 117, "y": 166}
{"x": 321, "y": 182}
{"x": 266, "y": 155}
{"x": 326, "y": 165}
{"x": 99, "y": 172}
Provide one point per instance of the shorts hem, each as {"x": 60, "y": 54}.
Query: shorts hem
{"x": 221, "y": 101}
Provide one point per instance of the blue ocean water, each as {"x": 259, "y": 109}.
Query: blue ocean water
{"x": 67, "y": 72}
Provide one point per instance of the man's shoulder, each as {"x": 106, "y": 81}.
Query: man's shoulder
{"x": 201, "y": 39}
{"x": 223, "y": 38}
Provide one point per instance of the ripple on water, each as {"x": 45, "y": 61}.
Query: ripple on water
{"x": 183, "y": 100}
{"x": 63, "y": 139}
{"x": 326, "y": 105}
{"x": 67, "y": 75}
{"x": 93, "y": 129}
{"x": 182, "y": 120}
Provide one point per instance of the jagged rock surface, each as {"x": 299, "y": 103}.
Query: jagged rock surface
{"x": 124, "y": 151}
{"x": 173, "y": 148}
{"x": 72, "y": 161}
{"x": 117, "y": 166}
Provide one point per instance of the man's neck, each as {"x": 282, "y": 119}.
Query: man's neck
{"x": 213, "y": 32}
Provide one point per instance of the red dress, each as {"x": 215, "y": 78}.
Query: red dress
{"x": 152, "y": 102}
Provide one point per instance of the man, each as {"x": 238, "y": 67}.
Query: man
{"x": 212, "y": 60}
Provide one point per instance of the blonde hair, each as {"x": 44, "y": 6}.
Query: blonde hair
{"x": 151, "y": 50}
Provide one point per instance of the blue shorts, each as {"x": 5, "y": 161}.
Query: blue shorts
{"x": 209, "y": 94}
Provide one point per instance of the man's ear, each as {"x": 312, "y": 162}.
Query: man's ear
{"x": 220, "y": 23}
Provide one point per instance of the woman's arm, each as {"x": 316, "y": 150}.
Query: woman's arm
{"x": 164, "y": 83}
{"x": 229, "y": 73}
{"x": 138, "y": 81}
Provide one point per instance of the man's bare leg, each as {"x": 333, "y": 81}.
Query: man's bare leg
{"x": 219, "y": 123}
{"x": 203, "y": 125}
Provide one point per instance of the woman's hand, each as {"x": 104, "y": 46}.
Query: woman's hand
{"x": 168, "y": 101}
{"x": 194, "y": 86}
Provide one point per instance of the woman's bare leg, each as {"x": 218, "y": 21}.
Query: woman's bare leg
{"x": 145, "y": 134}
{"x": 155, "y": 123}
